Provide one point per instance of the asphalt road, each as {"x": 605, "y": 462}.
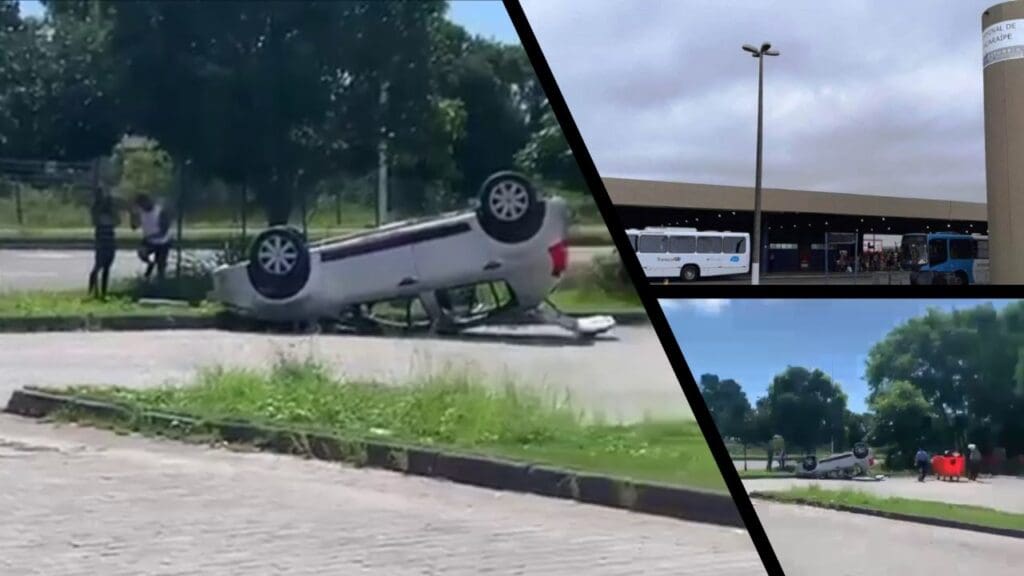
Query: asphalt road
{"x": 69, "y": 269}
{"x": 811, "y": 541}
{"x": 82, "y": 502}
{"x": 623, "y": 375}
{"x": 1001, "y": 492}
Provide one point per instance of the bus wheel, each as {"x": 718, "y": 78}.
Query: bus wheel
{"x": 959, "y": 279}
{"x": 689, "y": 273}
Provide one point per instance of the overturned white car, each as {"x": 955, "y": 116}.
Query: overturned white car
{"x": 845, "y": 465}
{"x": 496, "y": 263}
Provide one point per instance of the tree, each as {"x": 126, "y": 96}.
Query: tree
{"x": 902, "y": 422}
{"x": 276, "y": 94}
{"x": 806, "y": 407}
{"x": 547, "y": 154}
{"x": 966, "y": 365}
{"x": 727, "y": 403}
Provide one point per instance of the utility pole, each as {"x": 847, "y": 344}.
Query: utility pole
{"x": 382, "y": 161}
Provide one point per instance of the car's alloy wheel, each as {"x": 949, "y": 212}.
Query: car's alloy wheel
{"x": 510, "y": 209}
{"x": 277, "y": 255}
{"x": 279, "y": 263}
{"x": 508, "y": 200}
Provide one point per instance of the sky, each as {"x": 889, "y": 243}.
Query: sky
{"x": 868, "y": 96}
{"x": 751, "y": 341}
{"x": 486, "y": 18}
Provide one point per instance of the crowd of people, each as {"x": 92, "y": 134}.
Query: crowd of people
{"x": 157, "y": 237}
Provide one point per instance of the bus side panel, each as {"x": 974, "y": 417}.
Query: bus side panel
{"x": 979, "y": 271}
{"x": 657, "y": 265}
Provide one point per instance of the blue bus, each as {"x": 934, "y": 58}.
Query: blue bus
{"x": 945, "y": 258}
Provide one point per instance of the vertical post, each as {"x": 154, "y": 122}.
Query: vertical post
{"x": 300, "y": 182}
{"x": 17, "y": 204}
{"x": 245, "y": 207}
{"x": 755, "y": 266}
{"x": 856, "y": 257}
{"x": 826, "y": 256}
{"x": 382, "y": 162}
{"x": 181, "y": 217}
{"x": 337, "y": 208}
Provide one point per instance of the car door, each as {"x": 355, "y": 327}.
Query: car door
{"x": 452, "y": 253}
{"x": 377, "y": 267}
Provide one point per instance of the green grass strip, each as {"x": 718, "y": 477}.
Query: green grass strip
{"x": 449, "y": 410}
{"x": 976, "y": 515}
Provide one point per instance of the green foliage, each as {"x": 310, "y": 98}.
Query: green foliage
{"x": 967, "y": 366}
{"x": 902, "y": 423}
{"x": 547, "y": 155}
{"x": 728, "y": 405}
{"x": 806, "y": 407}
{"x": 143, "y": 168}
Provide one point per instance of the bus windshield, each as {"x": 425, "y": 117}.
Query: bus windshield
{"x": 914, "y": 250}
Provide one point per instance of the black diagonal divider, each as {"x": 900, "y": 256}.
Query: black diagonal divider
{"x": 632, "y": 264}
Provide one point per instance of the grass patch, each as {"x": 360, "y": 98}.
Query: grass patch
{"x": 762, "y": 473}
{"x": 976, "y": 515}
{"x": 452, "y": 410}
{"x": 595, "y": 300}
{"x": 78, "y": 303}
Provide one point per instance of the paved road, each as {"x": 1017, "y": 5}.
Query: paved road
{"x": 1001, "y": 492}
{"x": 69, "y": 269}
{"x": 863, "y": 279}
{"x": 811, "y": 541}
{"x": 625, "y": 374}
{"x": 82, "y": 502}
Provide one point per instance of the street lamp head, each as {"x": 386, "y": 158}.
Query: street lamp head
{"x": 766, "y": 46}
{"x": 750, "y": 49}
{"x": 772, "y": 53}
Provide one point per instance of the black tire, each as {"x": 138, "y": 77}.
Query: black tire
{"x": 959, "y": 279}
{"x": 860, "y": 451}
{"x": 510, "y": 209}
{"x": 278, "y": 263}
{"x": 689, "y": 273}
{"x": 809, "y": 463}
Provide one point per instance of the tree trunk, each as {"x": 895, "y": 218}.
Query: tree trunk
{"x": 276, "y": 198}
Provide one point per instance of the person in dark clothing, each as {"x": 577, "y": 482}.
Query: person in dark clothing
{"x": 105, "y": 220}
{"x": 973, "y": 462}
{"x": 921, "y": 460}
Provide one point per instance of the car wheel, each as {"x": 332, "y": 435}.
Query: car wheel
{"x": 860, "y": 451}
{"x": 809, "y": 463}
{"x": 510, "y": 208}
{"x": 689, "y": 273}
{"x": 278, "y": 263}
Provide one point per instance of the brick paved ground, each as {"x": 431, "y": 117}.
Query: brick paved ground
{"x": 80, "y": 501}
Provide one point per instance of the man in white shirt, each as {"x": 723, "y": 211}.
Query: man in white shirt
{"x": 157, "y": 235}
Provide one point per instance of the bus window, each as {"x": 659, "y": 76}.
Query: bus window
{"x": 937, "y": 252}
{"x": 709, "y": 245}
{"x": 961, "y": 249}
{"x": 651, "y": 244}
{"x": 632, "y": 240}
{"x": 682, "y": 244}
{"x": 734, "y": 245}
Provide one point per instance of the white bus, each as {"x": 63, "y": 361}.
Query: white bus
{"x": 689, "y": 254}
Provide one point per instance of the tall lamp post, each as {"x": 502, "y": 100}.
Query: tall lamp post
{"x": 755, "y": 249}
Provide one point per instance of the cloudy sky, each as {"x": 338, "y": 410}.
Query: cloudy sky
{"x": 868, "y": 96}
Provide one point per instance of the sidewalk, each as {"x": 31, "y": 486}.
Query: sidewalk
{"x": 82, "y": 501}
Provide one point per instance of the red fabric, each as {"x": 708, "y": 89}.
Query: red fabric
{"x": 948, "y": 466}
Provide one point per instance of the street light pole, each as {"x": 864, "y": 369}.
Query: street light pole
{"x": 755, "y": 248}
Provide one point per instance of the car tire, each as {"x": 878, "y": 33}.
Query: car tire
{"x": 809, "y": 463}
{"x": 279, "y": 263}
{"x": 510, "y": 209}
{"x": 860, "y": 451}
{"x": 689, "y": 273}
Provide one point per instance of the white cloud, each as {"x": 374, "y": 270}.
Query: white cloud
{"x": 869, "y": 96}
{"x": 705, "y": 306}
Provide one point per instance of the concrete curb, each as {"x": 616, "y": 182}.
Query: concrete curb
{"x": 675, "y": 502}
{"x": 940, "y": 522}
{"x": 15, "y": 324}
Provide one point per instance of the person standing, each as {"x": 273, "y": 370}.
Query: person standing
{"x": 921, "y": 459}
{"x": 105, "y": 220}
{"x": 157, "y": 235}
{"x": 973, "y": 462}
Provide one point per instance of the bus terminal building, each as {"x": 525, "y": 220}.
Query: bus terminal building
{"x": 796, "y": 223}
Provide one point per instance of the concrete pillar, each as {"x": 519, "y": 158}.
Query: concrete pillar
{"x": 1003, "y": 64}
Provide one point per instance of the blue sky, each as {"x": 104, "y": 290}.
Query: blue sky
{"x": 486, "y": 18}
{"x": 753, "y": 340}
